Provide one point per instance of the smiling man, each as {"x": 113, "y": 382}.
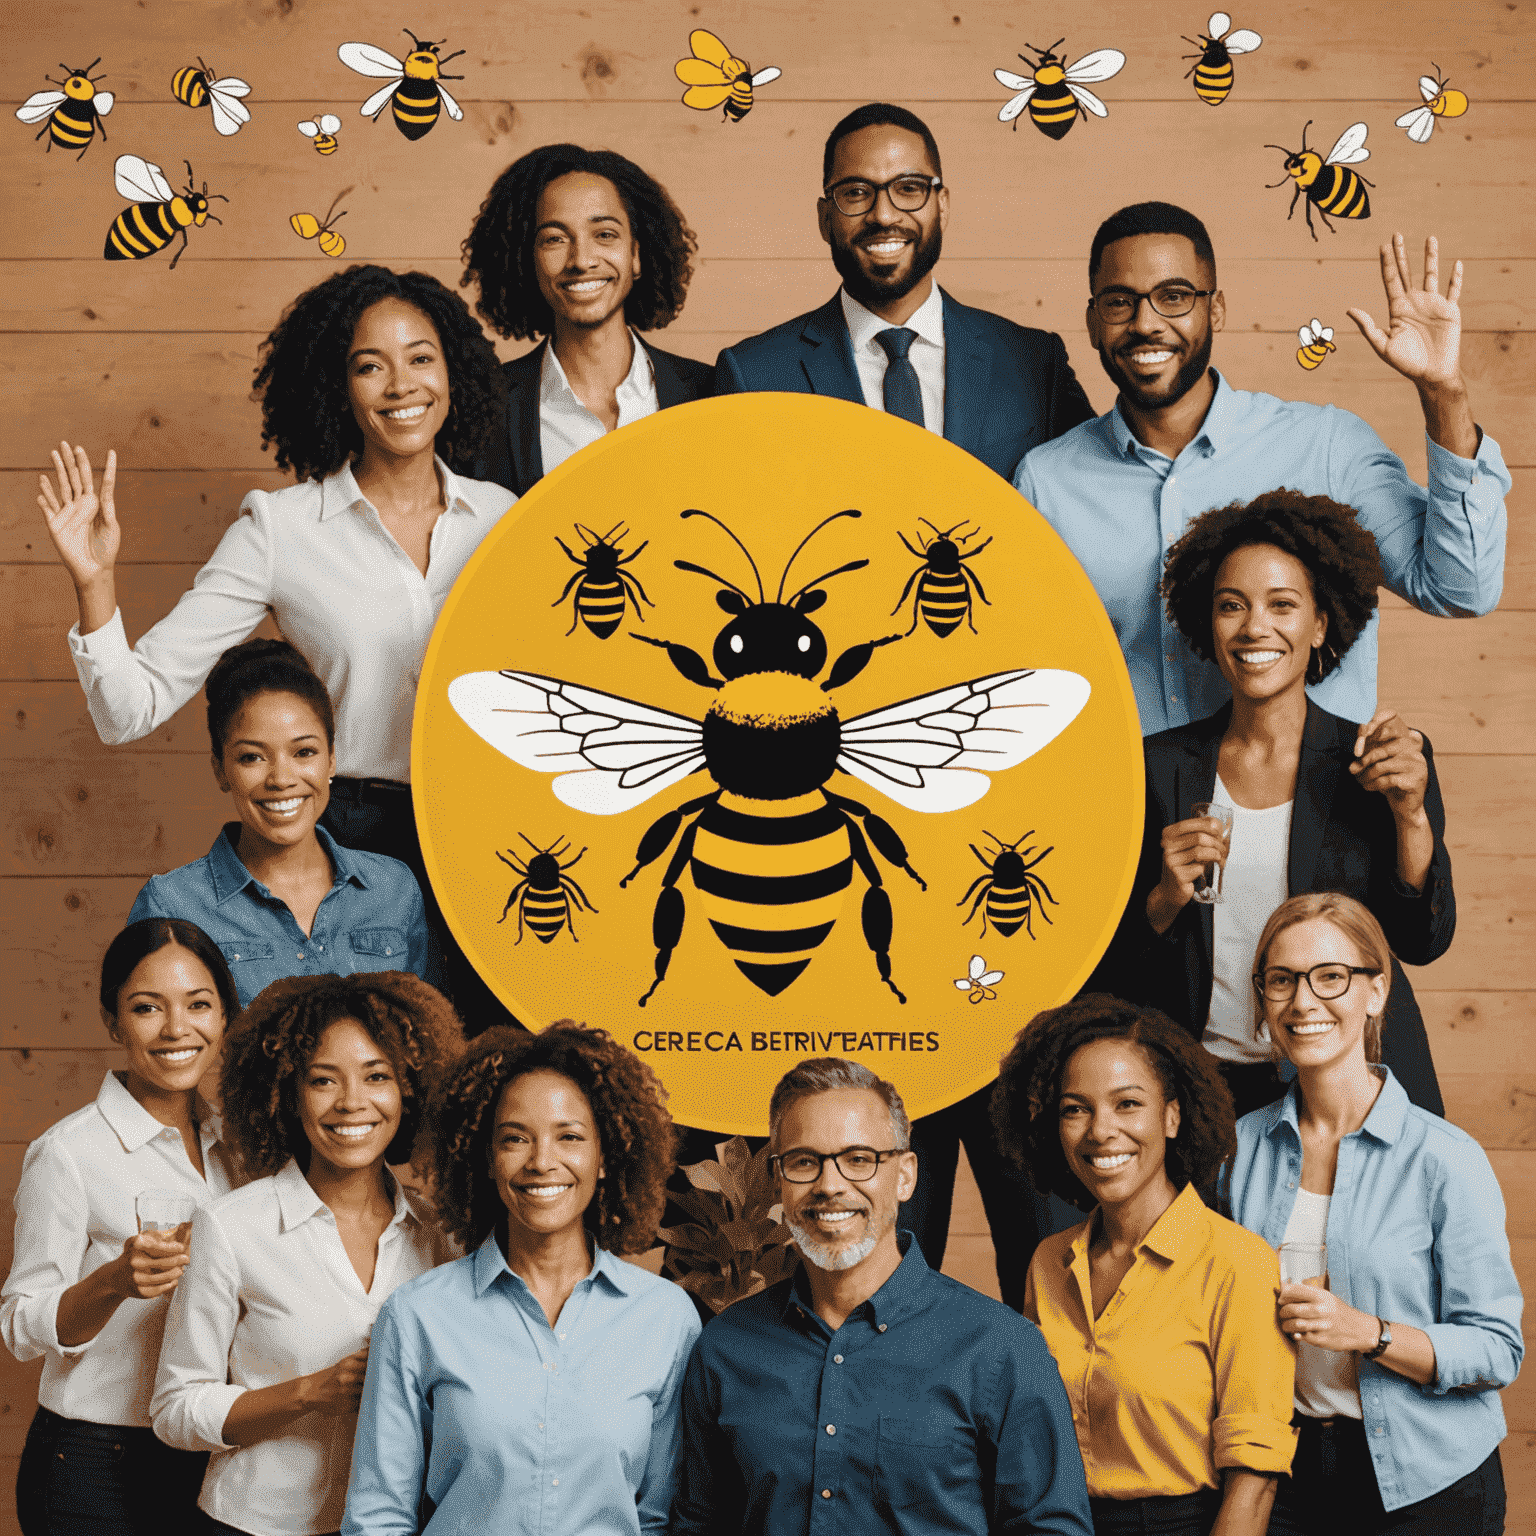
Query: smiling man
{"x": 868, "y": 1394}
{"x": 891, "y": 338}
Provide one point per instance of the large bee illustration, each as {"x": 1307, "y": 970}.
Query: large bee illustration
{"x": 195, "y": 86}
{"x": 770, "y": 849}
{"x": 158, "y": 214}
{"x": 323, "y": 133}
{"x": 1329, "y": 187}
{"x": 715, "y": 77}
{"x": 1055, "y": 93}
{"x": 1316, "y": 344}
{"x": 545, "y": 893}
{"x": 416, "y": 83}
{"x": 944, "y": 580}
{"x": 74, "y": 112}
{"x": 1009, "y": 889}
{"x": 1212, "y": 68}
{"x": 1439, "y": 101}
{"x": 601, "y": 584}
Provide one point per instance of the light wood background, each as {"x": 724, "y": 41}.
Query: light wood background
{"x": 158, "y": 364}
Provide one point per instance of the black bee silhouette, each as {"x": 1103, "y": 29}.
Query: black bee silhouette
{"x": 1008, "y": 888}
{"x": 544, "y": 893}
{"x": 601, "y": 585}
{"x": 944, "y": 593}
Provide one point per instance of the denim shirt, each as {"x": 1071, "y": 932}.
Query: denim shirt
{"x": 1416, "y": 1236}
{"x": 371, "y": 919}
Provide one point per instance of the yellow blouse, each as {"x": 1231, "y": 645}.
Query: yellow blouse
{"x": 1186, "y": 1370}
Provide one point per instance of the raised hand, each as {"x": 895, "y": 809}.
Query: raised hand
{"x": 82, "y": 525}
{"x": 1390, "y": 761}
{"x": 1423, "y": 336}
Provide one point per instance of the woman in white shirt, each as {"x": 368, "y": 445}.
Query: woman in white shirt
{"x": 88, "y": 1291}
{"x": 265, "y": 1348}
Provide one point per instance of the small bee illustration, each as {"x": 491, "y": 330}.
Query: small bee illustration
{"x": 1439, "y": 102}
{"x": 944, "y": 592}
{"x": 196, "y": 87}
{"x": 545, "y": 894}
{"x": 1212, "y": 68}
{"x": 979, "y": 981}
{"x": 74, "y": 112}
{"x": 158, "y": 214}
{"x": 1008, "y": 888}
{"x": 715, "y": 77}
{"x": 323, "y": 133}
{"x": 1329, "y": 187}
{"x": 415, "y": 83}
{"x": 601, "y": 586}
{"x": 1054, "y": 93}
{"x": 1316, "y": 344}
{"x": 308, "y": 227}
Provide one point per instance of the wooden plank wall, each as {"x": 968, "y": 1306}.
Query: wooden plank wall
{"x": 158, "y": 363}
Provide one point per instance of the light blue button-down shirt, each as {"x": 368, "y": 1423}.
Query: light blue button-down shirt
{"x": 1119, "y": 505}
{"x": 478, "y": 1417}
{"x": 1416, "y": 1236}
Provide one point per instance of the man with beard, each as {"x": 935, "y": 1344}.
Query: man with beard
{"x": 1181, "y": 440}
{"x": 891, "y": 338}
{"x": 868, "y": 1394}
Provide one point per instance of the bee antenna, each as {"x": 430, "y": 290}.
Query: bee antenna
{"x": 414, "y": 39}
{"x": 931, "y": 525}
{"x": 216, "y": 219}
{"x": 332, "y": 209}
{"x": 849, "y": 512}
{"x": 97, "y": 60}
{"x": 452, "y": 56}
{"x": 853, "y": 565}
{"x": 533, "y": 844}
{"x": 701, "y": 570}
{"x": 1307, "y": 125}
{"x": 761, "y": 596}
{"x": 1271, "y": 185}
{"x": 615, "y": 529}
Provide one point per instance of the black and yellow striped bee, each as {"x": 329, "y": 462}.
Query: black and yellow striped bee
{"x": 1316, "y": 344}
{"x": 601, "y": 585}
{"x": 1054, "y": 92}
{"x": 1329, "y": 187}
{"x": 416, "y": 87}
{"x": 1439, "y": 101}
{"x": 715, "y": 77}
{"x": 158, "y": 214}
{"x": 944, "y": 581}
{"x": 74, "y": 112}
{"x": 545, "y": 893}
{"x": 1009, "y": 889}
{"x": 195, "y": 86}
{"x": 771, "y": 850}
{"x": 323, "y": 133}
{"x": 1212, "y": 68}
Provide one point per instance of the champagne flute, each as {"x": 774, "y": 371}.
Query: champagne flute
{"x": 1208, "y": 884}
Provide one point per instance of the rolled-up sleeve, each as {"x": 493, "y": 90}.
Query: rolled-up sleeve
{"x": 394, "y": 1432}
{"x": 1039, "y": 1483}
{"x": 1255, "y": 1369}
{"x": 50, "y": 1248}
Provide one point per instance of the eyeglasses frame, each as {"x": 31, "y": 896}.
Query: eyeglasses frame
{"x": 832, "y": 1157}
{"x": 1130, "y": 293}
{"x": 1322, "y": 965}
{"x": 935, "y": 184}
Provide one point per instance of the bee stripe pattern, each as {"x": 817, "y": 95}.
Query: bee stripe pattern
{"x": 1213, "y": 83}
{"x": 1052, "y": 109}
{"x": 140, "y": 230}
{"x": 740, "y": 102}
{"x": 943, "y": 600}
{"x": 1340, "y": 192}
{"x": 416, "y": 106}
{"x": 190, "y": 85}
{"x": 1007, "y": 910}
{"x": 72, "y": 124}
{"x": 601, "y": 606}
{"x": 544, "y": 912}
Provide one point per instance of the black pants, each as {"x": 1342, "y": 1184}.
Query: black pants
{"x": 1190, "y": 1514}
{"x": 1332, "y": 1492}
{"x": 83, "y": 1479}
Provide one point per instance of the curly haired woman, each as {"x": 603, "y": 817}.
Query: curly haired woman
{"x": 539, "y": 1367}
{"x": 581, "y": 247}
{"x": 266, "y": 1343}
{"x": 1160, "y": 1313}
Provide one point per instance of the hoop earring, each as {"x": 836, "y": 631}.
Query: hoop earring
{"x": 1315, "y": 665}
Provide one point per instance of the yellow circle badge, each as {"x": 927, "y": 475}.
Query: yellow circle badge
{"x": 773, "y": 727}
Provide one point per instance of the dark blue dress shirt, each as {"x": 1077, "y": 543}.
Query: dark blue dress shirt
{"x": 933, "y": 1409}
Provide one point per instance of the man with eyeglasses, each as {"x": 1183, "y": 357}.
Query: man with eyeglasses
{"x": 890, "y": 337}
{"x": 868, "y": 1394}
{"x": 1181, "y": 440}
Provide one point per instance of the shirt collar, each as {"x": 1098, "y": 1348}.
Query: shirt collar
{"x": 135, "y": 1127}
{"x": 1213, "y": 433}
{"x": 297, "y": 1200}
{"x": 230, "y": 876}
{"x": 340, "y": 492}
{"x": 1384, "y": 1123}
{"x": 864, "y": 325}
{"x": 490, "y": 1264}
{"x": 900, "y": 1295}
{"x": 638, "y": 383}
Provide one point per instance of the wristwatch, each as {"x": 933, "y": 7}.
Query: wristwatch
{"x": 1382, "y": 1343}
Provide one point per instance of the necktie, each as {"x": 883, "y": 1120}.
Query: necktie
{"x": 902, "y": 396}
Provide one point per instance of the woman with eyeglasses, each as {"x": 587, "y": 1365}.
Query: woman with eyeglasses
{"x": 1400, "y": 1296}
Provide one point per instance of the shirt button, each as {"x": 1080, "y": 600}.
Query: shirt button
{"x": 837, "y": 1359}
{"x": 831, "y": 1429}
{"x": 826, "y": 1493}
{"x": 237, "y": 957}
{"x": 554, "y": 1482}
{"x": 562, "y": 1335}
{"x": 1291, "y": 1185}
{"x": 301, "y": 954}
{"x": 321, "y": 947}
{"x": 881, "y": 1328}
{"x": 389, "y": 951}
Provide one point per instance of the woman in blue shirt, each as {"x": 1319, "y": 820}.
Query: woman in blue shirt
{"x": 534, "y": 1384}
{"x": 276, "y": 892}
{"x": 1402, "y": 1347}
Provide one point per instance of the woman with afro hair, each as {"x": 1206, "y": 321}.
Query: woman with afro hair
{"x": 536, "y": 1381}
{"x": 1275, "y": 592}
{"x": 580, "y": 247}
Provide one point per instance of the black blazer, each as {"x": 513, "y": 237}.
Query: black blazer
{"x": 1007, "y": 388}
{"x": 516, "y": 460}
{"x": 1342, "y": 839}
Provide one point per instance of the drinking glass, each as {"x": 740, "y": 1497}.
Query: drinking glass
{"x": 166, "y": 1212}
{"x": 1304, "y": 1264}
{"x": 1208, "y": 884}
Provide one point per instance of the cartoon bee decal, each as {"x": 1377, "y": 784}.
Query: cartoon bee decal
{"x": 415, "y": 88}
{"x": 545, "y": 895}
{"x": 1009, "y": 889}
{"x": 602, "y": 585}
{"x": 196, "y": 87}
{"x": 1329, "y": 186}
{"x": 979, "y": 981}
{"x": 1439, "y": 101}
{"x": 1316, "y": 344}
{"x": 323, "y": 133}
{"x": 157, "y": 214}
{"x": 1055, "y": 93}
{"x": 1212, "y": 68}
{"x": 308, "y": 227}
{"x": 944, "y": 581}
{"x": 770, "y": 848}
{"x": 73, "y": 113}
{"x": 715, "y": 77}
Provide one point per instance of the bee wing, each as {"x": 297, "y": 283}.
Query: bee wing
{"x": 330, "y": 123}
{"x": 102, "y": 101}
{"x": 375, "y": 103}
{"x": 1429, "y": 87}
{"x": 965, "y": 985}
{"x": 705, "y": 45}
{"x": 699, "y": 72}
{"x": 230, "y": 114}
{"x": 368, "y": 60}
{"x": 230, "y": 86}
{"x": 1350, "y": 150}
{"x": 1305, "y": 333}
{"x": 611, "y": 754}
{"x": 310, "y": 130}
{"x": 1012, "y": 108}
{"x": 1012, "y": 81}
{"x": 976, "y": 967}
{"x": 703, "y": 97}
{"x": 1326, "y": 334}
{"x": 1242, "y": 41}
{"x": 934, "y": 753}
{"x": 1096, "y": 66}
{"x": 1089, "y": 100}
{"x": 35, "y": 108}
{"x": 455, "y": 111}
{"x": 991, "y": 978}
{"x": 1218, "y": 24}
{"x": 1420, "y": 124}
{"x": 139, "y": 181}
{"x": 764, "y": 76}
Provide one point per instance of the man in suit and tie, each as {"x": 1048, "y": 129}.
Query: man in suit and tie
{"x": 890, "y": 337}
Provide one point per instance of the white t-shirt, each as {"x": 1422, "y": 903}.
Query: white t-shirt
{"x": 1327, "y": 1380}
{"x": 1253, "y": 885}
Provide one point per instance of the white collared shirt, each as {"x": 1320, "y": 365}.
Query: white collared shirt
{"x": 317, "y": 557}
{"x": 926, "y": 356}
{"x": 566, "y": 425}
{"x": 269, "y": 1295}
{"x": 74, "y": 1212}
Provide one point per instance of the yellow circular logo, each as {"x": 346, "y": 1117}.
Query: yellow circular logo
{"x": 773, "y": 727}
